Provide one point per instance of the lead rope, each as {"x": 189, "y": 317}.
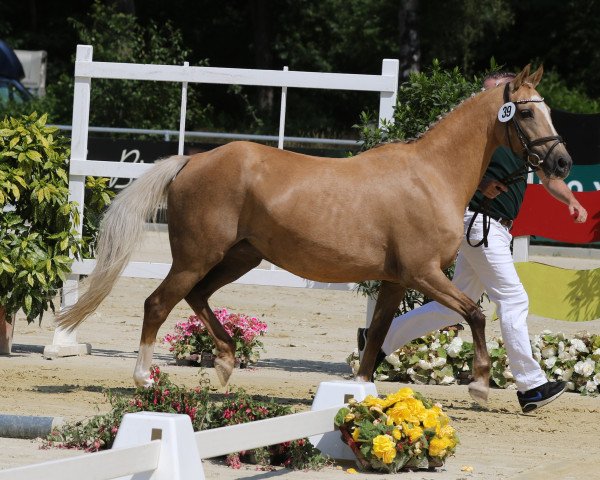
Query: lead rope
{"x": 484, "y": 206}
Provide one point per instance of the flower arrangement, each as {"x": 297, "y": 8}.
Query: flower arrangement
{"x": 401, "y": 431}
{"x": 191, "y": 338}
{"x": 443, "y": 358}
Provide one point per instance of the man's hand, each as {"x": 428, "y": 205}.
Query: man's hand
{"x": 492, "y": 188}
{"x": 578, "y": 213}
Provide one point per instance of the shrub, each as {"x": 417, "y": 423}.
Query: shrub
{"x": 37, "y": 241}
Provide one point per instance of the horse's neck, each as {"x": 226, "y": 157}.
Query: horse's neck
{"x": 461, "y": 145}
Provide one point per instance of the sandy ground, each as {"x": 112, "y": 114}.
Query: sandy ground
{"x": 311, "y": 332}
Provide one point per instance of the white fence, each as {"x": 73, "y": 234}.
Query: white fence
{"x": 85, "y": 70}
{"x": 162, "y": 446}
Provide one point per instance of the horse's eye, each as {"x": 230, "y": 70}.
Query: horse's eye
{"x": 526, "y": 113}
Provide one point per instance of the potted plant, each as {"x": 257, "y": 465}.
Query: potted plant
{"x": 401, "y": 431}
{"x": 191, "y": 343}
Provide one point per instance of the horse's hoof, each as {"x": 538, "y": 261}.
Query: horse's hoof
{"x": 143, "y": 381}
{"x": 224, "y": 369}
{"x": 479, "y": 392}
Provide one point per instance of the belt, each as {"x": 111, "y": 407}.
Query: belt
{"x": 505, "y": 222}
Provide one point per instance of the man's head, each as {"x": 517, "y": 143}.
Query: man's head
{"x": 497, "y": 78}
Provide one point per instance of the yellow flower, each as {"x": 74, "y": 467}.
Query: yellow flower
{"x": 446, "y": 431}
{"x": 429, "y": 417}
{"x": 384, "y": 448}
{"x": 399, "y": 413}
{"x": 351, "y": 471}
{"x": 438, "y": 446}
{"x": 397, "y": 434}
{"x": 414, "y": 433}
{"x": 397, "y": 396}
{"x": 355, "y": 434}
{"x": 349, "y": 417}
{"x": 371, "y": 401}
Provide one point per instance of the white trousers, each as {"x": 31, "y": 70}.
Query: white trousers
{"x": 477, "y": 270}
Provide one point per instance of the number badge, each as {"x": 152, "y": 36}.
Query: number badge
{"x": 506, "y": 112}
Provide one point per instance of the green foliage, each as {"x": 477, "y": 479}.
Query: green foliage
{"x": 37, "y": 241}
{"x": 558, "y": 95}
{"x": 236, "y": 407}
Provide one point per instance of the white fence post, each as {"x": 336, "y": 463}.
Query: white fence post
{"x": 64, "y": 342}
{"x": 282, "y": 111}
{"x": 183, "y": 112}
{"x": 337, "y": 394}
{"x": 178, "y": 459}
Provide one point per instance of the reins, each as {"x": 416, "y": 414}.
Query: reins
{"x": 518, "y": 175}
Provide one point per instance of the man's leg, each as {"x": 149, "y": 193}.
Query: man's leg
{"x": 495, "y": 269}
{"x": 432, "y": 316}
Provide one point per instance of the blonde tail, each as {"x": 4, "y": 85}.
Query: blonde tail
{"x": 121, "y": 231}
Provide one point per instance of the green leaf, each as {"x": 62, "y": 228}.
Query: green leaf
{"x": 339, "y": 417}
{"x": 28, "y": 302}
{"x": 33, "y": 155}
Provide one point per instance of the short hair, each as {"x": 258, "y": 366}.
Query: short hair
{"x": 498, "y": 76}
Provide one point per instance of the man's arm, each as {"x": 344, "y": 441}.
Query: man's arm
{"x": 559, "y": 190}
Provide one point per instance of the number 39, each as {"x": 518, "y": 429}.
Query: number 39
{"x": 506, "y": 111}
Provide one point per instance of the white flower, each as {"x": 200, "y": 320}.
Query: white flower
{"x": 538, "y": 356}
{"x": 579, "y": 345}
{"x": 423, "y": 348}
{"x": 410, "y": 371}
{"x": 566, "y": 376}
{"x": 596, "y": 379}
{"x": 492, "y": 345}
{"x": 565, "y": 356}
{"x": 424, "y": 364}
{"x": 546, "y": 332}
{"x": 438, "y": 362}
{"x": 549, "y": 362}
{"x": 570, "y": 386}
{"x": 558, "y": 372}
{"x": 591, "y": 387}
{"x": 454, "y": 347}
{"x": 447, "y": 380}
{"x": 585, "y": 368}
{"x": 597, "y": 352}
{"x": 435, "y": 345}
{"x": 508, "y": 374}
{"x": 548, "y": 352}
{"x": 393, "y": 360}
{"x": 561, "y": 347}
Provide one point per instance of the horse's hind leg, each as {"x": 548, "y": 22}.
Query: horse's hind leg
{"x": 239, "y": 259}
{"x": 437, "y": 286}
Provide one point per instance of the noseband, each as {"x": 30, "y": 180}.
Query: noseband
{"x": 528, "y": 145}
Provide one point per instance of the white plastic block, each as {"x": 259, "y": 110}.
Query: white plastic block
{"x": 179, "y": 458}
{"x": 331, "y": 394}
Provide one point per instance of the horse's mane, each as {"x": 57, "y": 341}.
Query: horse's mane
{"x": 430, "y": 127}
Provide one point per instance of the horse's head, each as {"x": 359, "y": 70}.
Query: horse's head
{"x": 529, "y": 127}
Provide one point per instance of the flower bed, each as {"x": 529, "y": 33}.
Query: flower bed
{"x": 191, "y": 343}
{"x": 99, "y": 432}
{"x": 443, "y": 358}
{"x": 401, "y": 431}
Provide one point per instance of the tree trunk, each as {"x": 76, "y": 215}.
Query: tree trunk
{"x": 6, "y": 333}
{"x": 263, "y": 57}
{"x": 410, "y": 46}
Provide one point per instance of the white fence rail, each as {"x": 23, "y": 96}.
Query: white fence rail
{"x": 162, "y": 446}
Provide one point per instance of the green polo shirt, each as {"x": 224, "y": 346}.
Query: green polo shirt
{"x": 507, "y": 204}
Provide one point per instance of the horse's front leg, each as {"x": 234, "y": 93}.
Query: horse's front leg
{"x": 436, "y": 285}
{"x": 390, "y": 295}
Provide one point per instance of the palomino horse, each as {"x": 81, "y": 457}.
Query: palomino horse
{"x": 393, "y": 213}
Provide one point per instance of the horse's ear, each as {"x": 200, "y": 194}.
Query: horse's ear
{"x": 535, "y": 78}
{"x": 520, "y": 78}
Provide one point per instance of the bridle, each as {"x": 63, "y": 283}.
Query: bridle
{"x": 528, "y": 145}
{"x": 531, "y": 162}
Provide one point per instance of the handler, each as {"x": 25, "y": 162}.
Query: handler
{"x": 489, "y": 267}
